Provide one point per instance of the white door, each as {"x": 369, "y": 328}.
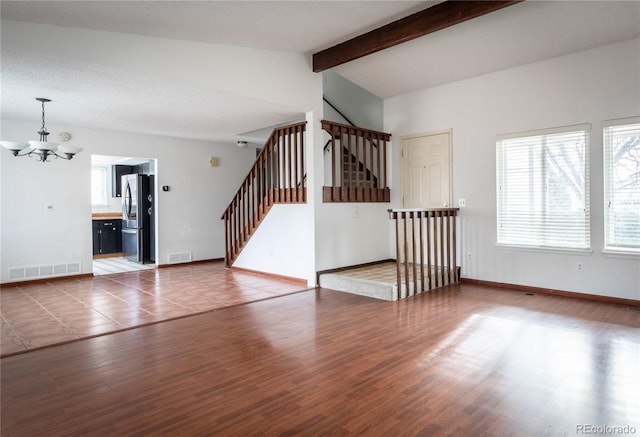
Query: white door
{"x": 426, "y": 183}
{"x": 426, "y": 170}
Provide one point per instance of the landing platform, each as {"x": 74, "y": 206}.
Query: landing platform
{"x": 378, "y": 281}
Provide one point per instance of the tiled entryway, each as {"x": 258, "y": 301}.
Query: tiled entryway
{"x": 108, "y": 266}
{"x": 42, "y": 314}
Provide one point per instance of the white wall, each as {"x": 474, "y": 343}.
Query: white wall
{"x": 349, "y": 233}
{"x": 277, "y": 245}
{"x": 585, "y": 87}
{"x": 188, "y": 215}
{"x": 357, "y": 104}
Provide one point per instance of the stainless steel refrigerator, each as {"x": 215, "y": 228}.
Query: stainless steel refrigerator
{"x": 138, "y": 233}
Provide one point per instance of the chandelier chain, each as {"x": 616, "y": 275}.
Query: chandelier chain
{"x": 43, "y": 128}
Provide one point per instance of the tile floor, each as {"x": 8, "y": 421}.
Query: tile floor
{"x": 108, "y": 266}
{"x": 42, "y": 314}
{"x": 383, "y": 272}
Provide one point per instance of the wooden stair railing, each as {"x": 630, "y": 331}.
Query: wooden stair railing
{"x": 358, "y": 161}
{"x": 425, "y": 249}
{"x": 278, "y": 175}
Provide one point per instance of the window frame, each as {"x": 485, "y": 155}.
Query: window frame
{"x": 608, "y": 188}
{"x": 537, "y": 145}
{"x": 105, "y": 181}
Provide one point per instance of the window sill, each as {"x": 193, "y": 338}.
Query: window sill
{"x": 610, "y": 253}
{"x": 540, "y": 249}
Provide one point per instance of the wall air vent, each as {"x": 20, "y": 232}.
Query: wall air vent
{"x": 16, "y": 273}
{"x": 44, "y": 271}
{"x": 175, "y": 258}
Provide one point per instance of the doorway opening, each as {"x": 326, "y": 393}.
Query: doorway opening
{"x": 123, "y": 212}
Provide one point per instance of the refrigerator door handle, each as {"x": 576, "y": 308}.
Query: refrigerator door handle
{"x": 127, "y": 202}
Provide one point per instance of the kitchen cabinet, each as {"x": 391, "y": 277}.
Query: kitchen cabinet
{"x": 96, "y": 236}
{"x": 107, "y": 236}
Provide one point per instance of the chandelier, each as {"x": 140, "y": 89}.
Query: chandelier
{"x": 41, "y": 150}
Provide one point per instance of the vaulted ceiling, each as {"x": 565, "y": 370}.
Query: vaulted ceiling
{"x": 523, "y": 33}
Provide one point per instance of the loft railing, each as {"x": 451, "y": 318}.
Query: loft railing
{"x": 278, "y": 175}
{"x": 425, "y": 249}
{"x": 358, "y": 164}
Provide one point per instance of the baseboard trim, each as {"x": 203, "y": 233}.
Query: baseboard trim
{"x": 269, "y": 275}
{"x": 551, "y": 291}
{"x": 200, "y": 261}
{"x": 45, "y": 280}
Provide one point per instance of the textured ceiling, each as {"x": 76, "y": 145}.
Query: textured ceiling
{"x": 120, "y": 99}
{"x": 299, "y": 26}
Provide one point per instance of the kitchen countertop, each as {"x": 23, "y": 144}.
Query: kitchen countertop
{"x": 106, "y": 216}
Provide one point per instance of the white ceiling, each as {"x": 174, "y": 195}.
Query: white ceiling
{"x": 527, "y": 32}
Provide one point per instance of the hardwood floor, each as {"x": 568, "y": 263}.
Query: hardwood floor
{"x": 464, "y": 361}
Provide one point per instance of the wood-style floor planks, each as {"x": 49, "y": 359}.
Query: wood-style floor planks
{"x": 463, "y": 360}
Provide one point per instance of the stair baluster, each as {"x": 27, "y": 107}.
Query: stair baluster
{"x": 420, "y": 234}
{"x": 278, "y": 175}
{"x": 358, "y": 164}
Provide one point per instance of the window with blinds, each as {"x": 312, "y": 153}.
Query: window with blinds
{"x": 99, "y": 186}
{"x": 621, "y": 140}
{"x": 543, "y": 188}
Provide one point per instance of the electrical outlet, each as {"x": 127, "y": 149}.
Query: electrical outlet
{"x": 579, "y": 267}
{"x": 469, "y": 256}
{"x": 462, "y": 203}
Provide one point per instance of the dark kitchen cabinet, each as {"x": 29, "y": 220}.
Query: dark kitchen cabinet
{"x": 107, "y": 236}
{"x": 117, "y": 171}
{"x": 96, "y": 237}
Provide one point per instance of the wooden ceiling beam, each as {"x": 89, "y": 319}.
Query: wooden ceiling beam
{"x": 438, "y": 17}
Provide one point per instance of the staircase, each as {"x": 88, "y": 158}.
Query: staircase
{"x": 355, "y": 173}
{"x": 278, "y": 175}
{"x": 358, "y": 164}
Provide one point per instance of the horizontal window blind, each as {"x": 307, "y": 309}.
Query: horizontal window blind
{"x": 543, "y": 188}
{"x": 621, "y": 139}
